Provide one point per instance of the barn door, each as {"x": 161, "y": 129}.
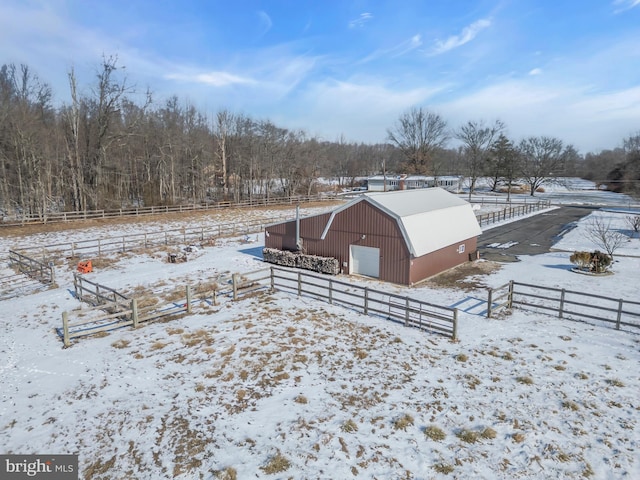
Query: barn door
{"x": 364, "y": 260}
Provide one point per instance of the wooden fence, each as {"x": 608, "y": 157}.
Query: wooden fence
{"x": 32, "y": 275}
{"x": 567, "y": 304}
{"x": 96, "y": 294}
{"x": 114, "y": 310}
{"x": 408, "y": 311}
{"x": 133, "y": 316}
{"x": 511, "y": 211}
{"x": 102, "y": 246}
{"x": 123, "y": 312}
{"x": 56, "y": 217}
{"x": 40, "y": 271}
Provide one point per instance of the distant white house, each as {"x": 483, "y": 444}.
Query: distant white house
{"x": 388, "y": 183}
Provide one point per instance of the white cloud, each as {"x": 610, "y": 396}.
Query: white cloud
{"x": 361, "y": 20}
{"x": 411, "y": 44}
{"x": 361, "y": 108}
{"x": 590, "y": 120}
{"x": 215, "y": 79}
{"x": 265, "y": 21}
{"x": 395, "y": 51}
{"x": 623, "y": 5}
{"x": 455, "y": 41}
{"x": 535, "y": 71}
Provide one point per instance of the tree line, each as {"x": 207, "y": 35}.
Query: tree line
{"x": 114, "y": 146}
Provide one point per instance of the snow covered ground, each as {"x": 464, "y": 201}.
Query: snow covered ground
{"x": 277, "y": 386}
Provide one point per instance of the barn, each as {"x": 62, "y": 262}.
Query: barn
{"x": 401, "y": 237}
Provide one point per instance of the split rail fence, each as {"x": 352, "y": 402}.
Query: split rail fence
{"x": 102, "y": 246}
{"x": 55, "y": 217}
{"x": 113, "y": 310}
{"x": 405, "y": 310}
{"x": 31, "y": 275}
{"x": 511, "y": 211}
{"x": 566, "y": 304}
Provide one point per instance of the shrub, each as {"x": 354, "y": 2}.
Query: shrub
{"x": 403, "y": 422}
{"x": 488, "y": 433}
{"x": 600, "y": 261}
{"x": 581, "y": 259}
{"x": 468, "y": 436}
{"x": 596, "y": 261}
{"x": 525, "y": 380}
{"x": 278, "y": 463}
{"x": 444, "y": 468}
{"x": 435, "y": 433}
{"x": 349, "y": 426}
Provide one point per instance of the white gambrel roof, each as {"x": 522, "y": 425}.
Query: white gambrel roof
{"x": 429, "y": 218}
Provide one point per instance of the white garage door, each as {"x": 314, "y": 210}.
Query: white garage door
{"x": 365, "y": 261}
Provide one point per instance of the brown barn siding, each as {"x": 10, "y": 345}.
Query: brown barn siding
{"x": 283, "y": 235}
{"x": 380, "y": 230}
{"x": 440, "y": 260}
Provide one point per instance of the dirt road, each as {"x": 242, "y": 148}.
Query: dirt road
{"x": 530, "y": 236}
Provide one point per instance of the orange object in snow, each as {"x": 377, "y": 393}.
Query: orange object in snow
{"x": 85, "y": 267}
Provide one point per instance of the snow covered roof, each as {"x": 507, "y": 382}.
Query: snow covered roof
{"x": 429, "y": 218}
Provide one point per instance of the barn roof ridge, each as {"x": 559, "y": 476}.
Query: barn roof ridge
{"x": 412, "y": 216}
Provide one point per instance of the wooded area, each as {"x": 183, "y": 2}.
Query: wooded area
{"x": 114, "y": 147}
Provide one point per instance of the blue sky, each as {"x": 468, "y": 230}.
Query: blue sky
{"x": 569, "y": 69}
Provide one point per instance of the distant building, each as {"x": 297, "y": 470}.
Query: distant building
{"x": 401, "y": 237}
{"x": 389, "y": 183}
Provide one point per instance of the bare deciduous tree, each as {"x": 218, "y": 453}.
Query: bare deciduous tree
{"x": 417, "y": 134}
{"x": 600, "y": 232}
{"x": 477, "y": 138}
{"x": 634, "y": 222}
{"x": 542, "y": 158}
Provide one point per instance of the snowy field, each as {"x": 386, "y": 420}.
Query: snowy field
{"x": 277, "y": 386}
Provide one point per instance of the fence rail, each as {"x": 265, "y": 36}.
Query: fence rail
{"x": 113, "y": 310}
{"x": 567, "y": 304}
{"x": 96, "y": 294}
{"x": 102, "y": 246}
{"x": 40, "y": 271}
{"x": 408, "y": 311}
{"x": 511, "y": 211}
{"x": 56, "y": 217}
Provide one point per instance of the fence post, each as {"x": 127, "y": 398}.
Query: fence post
{"x": 272, "y": 278}
{"x": 489, "y": 302}
{"x": 124, "y": 248}
{"x": 299, "y": 284}
{"x": 619, "y": 314}
{"x": 65, "y": 329}
{"x": 330, "y": 292}
{"x": 454, "y": 334}
{"x": 188, "y": 292}
{"x": 406, "y": 311}
{"x": 510, "y": 302}
{"x": 134, "y": 312}
{"x": 234, "y": 281}
{"x": 366, "y": 300}
{"x": 562, "y": 292}
{"x": 99, "y": 248}
{"x": 75, "y": 286}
